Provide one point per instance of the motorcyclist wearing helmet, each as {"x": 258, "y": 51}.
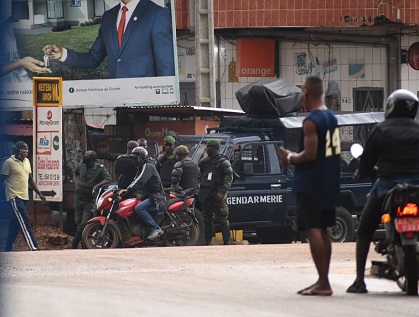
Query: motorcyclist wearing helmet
{"x": 390, "y": 154}
{"x": 148, "y": 179}
{"x": 18, "y": 175}
{"x": 185, "y": 173}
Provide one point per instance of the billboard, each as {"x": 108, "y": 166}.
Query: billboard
{"x": 121, "y": 57}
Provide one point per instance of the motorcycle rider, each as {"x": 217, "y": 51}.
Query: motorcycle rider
{"x": 148, "y": 179}
{"x": 166, "y": 161}
{"x": 391, "y": 152}
{"x": 185, "y": 173}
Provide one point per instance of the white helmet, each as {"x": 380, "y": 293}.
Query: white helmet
{"x": 140, "y": 152}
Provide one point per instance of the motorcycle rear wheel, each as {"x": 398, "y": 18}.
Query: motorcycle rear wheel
{"x": 92, "y": 240}
{"x": 411, "y": 269}
{"x": 181, "y": 236}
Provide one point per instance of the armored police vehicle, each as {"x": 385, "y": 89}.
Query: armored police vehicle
{"x": 260, "y": 198}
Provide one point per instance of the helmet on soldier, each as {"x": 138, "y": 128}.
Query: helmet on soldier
{"x": 182, "y": 150}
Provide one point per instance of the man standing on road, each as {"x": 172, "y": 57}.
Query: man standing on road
{"x": 185, "y": 173}
{"x": 216, "y": 179}
{"x": 18, "y": 174}
{"x": 89, "y": 176}
{"x": 126, "y": 166}
{"x": 392, "y": 146}
{"x": 316, "y": 181}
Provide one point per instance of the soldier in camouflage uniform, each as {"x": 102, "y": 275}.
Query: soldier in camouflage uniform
{"x": 216, "y": 179}
{"x": 166, "y": 161}
{"x": 126, "y": 166}
{"x": 89, "y": 176}
{"x": 185, "y": 173}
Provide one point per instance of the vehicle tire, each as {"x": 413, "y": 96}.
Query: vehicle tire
{"x": 275, "y": 235}
{"x": 201, "y": 227}
{"x": 91, "y": 236}
{"x": 411, "y": 269}
{"x": 181, "y": 236}
{"x": 344, "y": 229}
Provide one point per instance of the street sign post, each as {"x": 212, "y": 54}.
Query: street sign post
{"x": 48, "y": 143}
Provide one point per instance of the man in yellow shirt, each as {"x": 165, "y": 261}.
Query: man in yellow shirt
{"x": 18, "y": 174}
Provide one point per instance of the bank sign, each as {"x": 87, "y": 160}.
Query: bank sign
{"x": 48, "y": 137}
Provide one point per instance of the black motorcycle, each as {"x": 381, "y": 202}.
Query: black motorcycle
{"x": 401, "y": 248}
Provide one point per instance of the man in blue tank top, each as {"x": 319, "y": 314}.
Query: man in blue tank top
{"x": 317, "y": 180}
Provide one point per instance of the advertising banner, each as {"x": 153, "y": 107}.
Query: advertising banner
{"x": 255, "y": 58}
{"x": 48, "y": 142}
{"x": 110, "y": 58}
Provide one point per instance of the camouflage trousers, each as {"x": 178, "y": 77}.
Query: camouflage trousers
{"x": 219, "y": 210}
{"x": 84, "y": 210}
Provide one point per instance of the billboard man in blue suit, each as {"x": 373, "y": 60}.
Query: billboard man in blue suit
{"x": 139, "y": 46}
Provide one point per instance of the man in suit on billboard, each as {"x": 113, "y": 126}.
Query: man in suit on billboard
{"x": 137, "y": 38}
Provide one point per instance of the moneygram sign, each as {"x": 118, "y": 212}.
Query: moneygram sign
{"x": 48, "y": 137}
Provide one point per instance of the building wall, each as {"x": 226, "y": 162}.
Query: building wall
{"x": 259, "y": 13}
{"x": 348, "y": 66}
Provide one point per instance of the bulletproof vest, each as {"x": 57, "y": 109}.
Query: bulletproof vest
{"x": 167, "y": 165}
{"x": 211, "y": 174}
{"x": 126, "y": 169}
{"x": 189, "y": 176}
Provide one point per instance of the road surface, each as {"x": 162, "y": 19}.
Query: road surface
{"x": 238, "y": 280}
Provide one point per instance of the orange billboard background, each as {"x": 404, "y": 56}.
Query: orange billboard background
{"x": 255, "y": 58}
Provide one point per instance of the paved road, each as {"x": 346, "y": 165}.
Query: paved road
{"x": 242, "y": 280}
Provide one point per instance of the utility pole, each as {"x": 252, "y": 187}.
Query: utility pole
{"x": 204, "y": 50}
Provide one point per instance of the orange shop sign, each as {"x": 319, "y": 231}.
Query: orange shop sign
{"x": 255, "y": 58}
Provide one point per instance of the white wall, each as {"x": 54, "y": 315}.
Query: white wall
{"x": 373, "y": 58}
{"x": 100, "y": 116}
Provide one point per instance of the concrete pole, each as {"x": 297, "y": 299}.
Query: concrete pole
{"x": 204, "y": 49}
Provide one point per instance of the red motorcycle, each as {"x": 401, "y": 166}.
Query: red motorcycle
{"x": 119, "y": 226}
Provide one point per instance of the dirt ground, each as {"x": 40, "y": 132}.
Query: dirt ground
{"x": 48, "y": 237}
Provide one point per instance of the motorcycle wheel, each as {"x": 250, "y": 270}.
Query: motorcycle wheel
{"x": 201, "y": 226}
{"x": 92, "y": 240}
{"x": 180, "y": 236}
{"x": 411, "y": 269}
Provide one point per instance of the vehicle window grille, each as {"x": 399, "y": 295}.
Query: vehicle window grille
{"x": 273, "y": 159}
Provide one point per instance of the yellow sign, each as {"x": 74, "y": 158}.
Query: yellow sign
{"x": 47, "y": 91}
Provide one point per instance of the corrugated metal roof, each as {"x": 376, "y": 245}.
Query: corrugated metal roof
{"x": 179, "y": 109}
{"x": 343, "y": 119}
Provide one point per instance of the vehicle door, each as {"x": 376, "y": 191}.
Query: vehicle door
{"x": 259, "y": 191}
